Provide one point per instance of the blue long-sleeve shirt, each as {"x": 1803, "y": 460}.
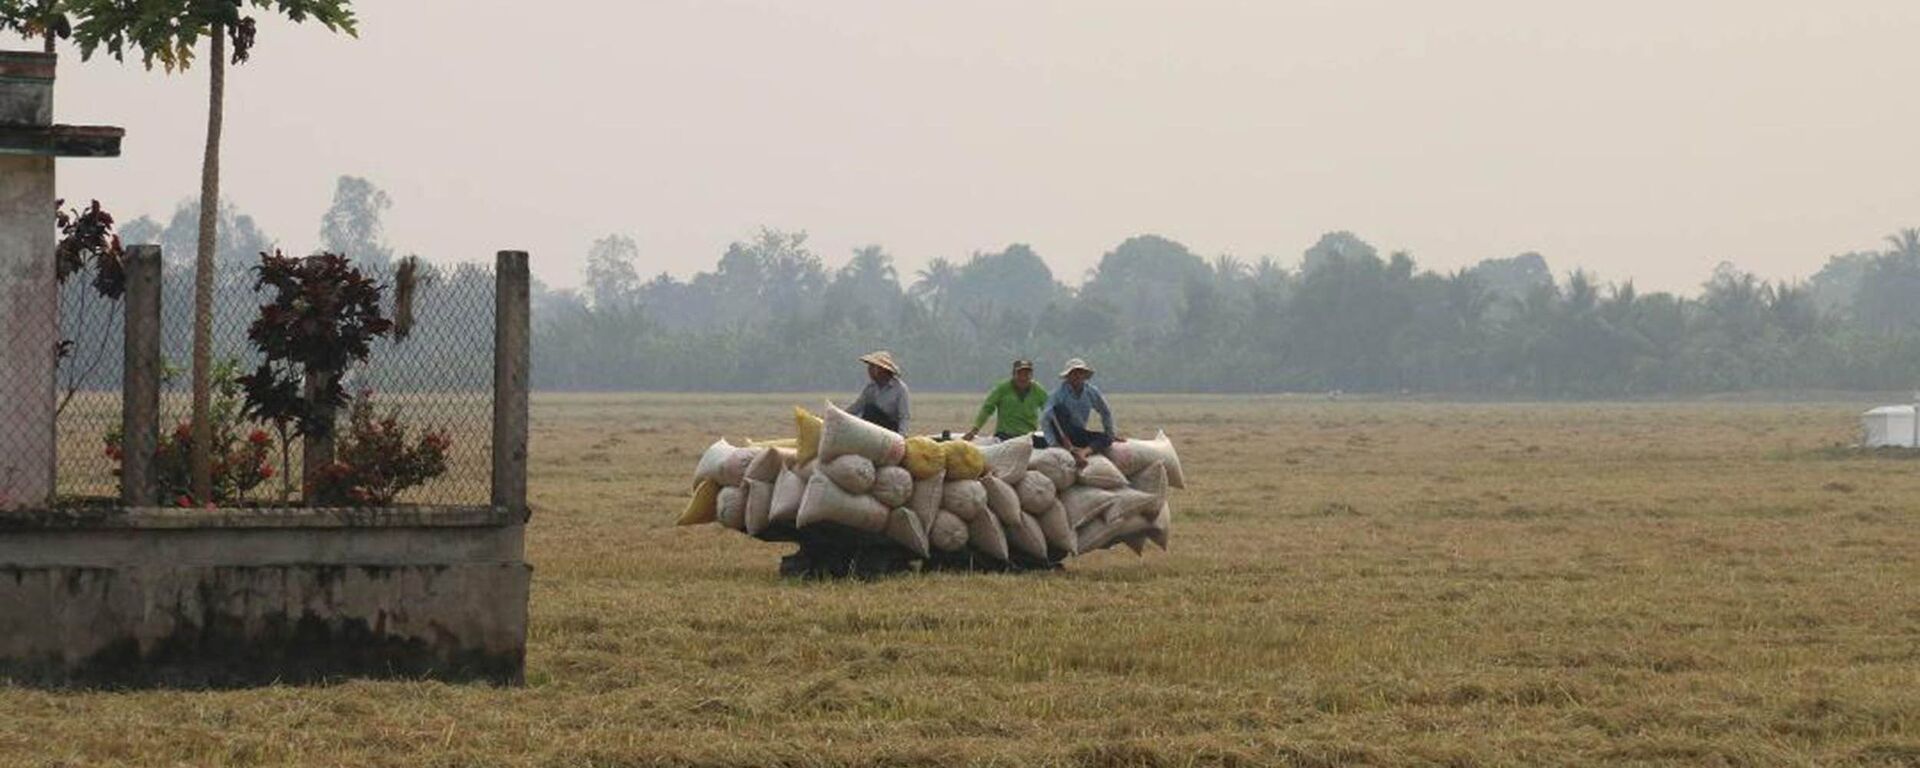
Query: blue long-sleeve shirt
{"x": 1081, "y": 405}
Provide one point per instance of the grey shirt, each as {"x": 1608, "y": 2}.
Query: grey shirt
{"x": 891, "y": 399}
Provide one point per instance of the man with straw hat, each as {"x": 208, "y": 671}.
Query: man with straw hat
{"x": 884, "y": 400}
{"x": 1064, "y": 419}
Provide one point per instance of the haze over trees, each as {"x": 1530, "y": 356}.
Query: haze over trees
{"x": 773, "y": 314}
{"x": 1154, "y": 316}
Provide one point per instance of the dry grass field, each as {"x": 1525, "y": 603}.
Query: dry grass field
{"x": 1351, "y": 583}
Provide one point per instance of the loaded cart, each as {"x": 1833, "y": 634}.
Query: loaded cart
{"x": 860, "y": 500}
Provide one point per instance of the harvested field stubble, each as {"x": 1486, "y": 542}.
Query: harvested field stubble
{"x": 1351, "y": 583}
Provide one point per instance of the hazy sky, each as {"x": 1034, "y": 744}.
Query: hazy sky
{"x": 1648, "y": 140}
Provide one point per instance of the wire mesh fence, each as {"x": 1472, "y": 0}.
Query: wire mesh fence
{"x": 438, "y": 378}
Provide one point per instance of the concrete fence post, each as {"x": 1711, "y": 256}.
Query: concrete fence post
{"x": 140, "y": 378}
{"x": 511, "y": 364}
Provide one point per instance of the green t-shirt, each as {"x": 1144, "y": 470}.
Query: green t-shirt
{"x": 1019, "y": 414}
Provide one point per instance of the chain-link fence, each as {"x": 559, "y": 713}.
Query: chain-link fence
{"x": 438, "y": 378}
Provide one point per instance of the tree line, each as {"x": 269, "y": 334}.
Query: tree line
{"x": 1155, "y": 316}
{"x": 1152, "y": 315}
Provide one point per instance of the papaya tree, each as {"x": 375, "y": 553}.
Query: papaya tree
{"x": 42, "y": 20}
{"x": 168, "y": 32}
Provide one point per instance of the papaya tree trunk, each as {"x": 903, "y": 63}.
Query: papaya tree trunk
{"x": 202, "y": 459}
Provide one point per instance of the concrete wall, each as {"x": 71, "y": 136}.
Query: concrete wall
{"x": 29, "y": 330}
{"x": 237, "y": 597}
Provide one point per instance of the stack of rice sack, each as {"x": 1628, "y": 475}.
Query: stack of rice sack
{"x": 1003, "y": 500}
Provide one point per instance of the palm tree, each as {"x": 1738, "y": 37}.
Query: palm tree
{"x": 1906, "y": 245}
{"x": 168, "y": 31}
{"x": 934, "y": 284}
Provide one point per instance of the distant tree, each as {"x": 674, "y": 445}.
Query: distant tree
{"x": 869, "y": 281}
{"x": 1145, "y": 277}
{"x": 1887, "y": 299}
{"x": 352, "y": 225}
{"x": 1511, "y": 279}
{"x": 1905, "y": 245}
{"x": 935, "y": 283}
{"x": 1335, "y": 245}
{"x": 238, "y": 243}
{"x": 612, "y": 281}
{"x": 141, "y": 231}
{"x": 168, "y": 31}
{"x": 1011, "y": 280}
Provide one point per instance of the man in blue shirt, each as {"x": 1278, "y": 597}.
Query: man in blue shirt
{"x": 1064, "y": 419}
{"x": 884, "y": 401}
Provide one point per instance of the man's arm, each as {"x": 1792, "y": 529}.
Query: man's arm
{"x": 906, "y": 406}
{"x": 860, "y": 403}
{"x": 986, "y": 409}
{"x": 1106, "y": 414}
{"x": 1047, "y": 428}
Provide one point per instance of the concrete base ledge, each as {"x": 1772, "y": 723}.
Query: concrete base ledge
{"x": 240, "y": 597}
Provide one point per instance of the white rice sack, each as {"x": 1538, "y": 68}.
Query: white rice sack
{"x": 966, "y": 499}
{"x": 925, "y": 502}
{"x": 1057, "y": 464}
{"x": 1162, "y": 529}
{"x": 948, "y": 534}
{"x": 1036, "y": 493}
{"x": 825, "y": 502}
{"x": 723, "y": 463}
{"x": 986, "y": 536}
{"x": 843, "y": 434}
{"x": 1008, "y": 460}
{"x": 805, "y": 469}
{"x": 765, "y": 466}
{"x": 1057, "y": 531}
{"x": 1101, "y": 534}
{"x": 905, "y": 529}
{"x": 1135, "y": 455}
{"x": 1100, "y": 472}
{"x": 892, "y": 486}
{"x": 854, "y": 474}
{"x": 1002, "y": 501}
{"x": 759, "y": 506}
{"x": 1151, "y": 480}
{"x": 1128, "y": 502}
{"x": 731, "y": 508}
{"x": 787, "y": 490}
{"x": 985, "y": 440}
{"x": 1024, "y": 536}
{"x": 1085, "y": 502}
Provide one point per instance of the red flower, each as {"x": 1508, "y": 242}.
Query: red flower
{"x": 259, "y": 437}
{"x": 184, "y": 501}
{"x": 183, "y": 432}
{"x": 266, "y": 471}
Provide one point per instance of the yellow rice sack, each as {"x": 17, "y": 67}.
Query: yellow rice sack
{"x": 924, "y": 458}
{"x": 807, "y": 427}
{"x": 964, "y": 460}
{"x": 704, "y": 506}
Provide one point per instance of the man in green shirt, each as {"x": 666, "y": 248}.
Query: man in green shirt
{"x": 1018, "y": 403}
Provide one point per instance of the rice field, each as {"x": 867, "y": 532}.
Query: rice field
{"x": 1351, "y": 583}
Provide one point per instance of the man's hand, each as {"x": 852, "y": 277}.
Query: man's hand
{"x": 1119, "y": 439}
{"x": 1080, "y": 456}
{"x": 969, "y": 435}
